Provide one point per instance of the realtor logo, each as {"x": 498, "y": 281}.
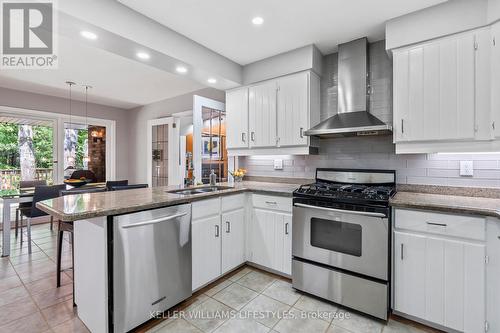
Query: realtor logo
{"x": 28, "y": 35}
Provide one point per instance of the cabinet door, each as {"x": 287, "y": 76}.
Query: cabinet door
{"x": 237, "y": 118}
{"x": 283, "y": 243}
{"x": 409, "y": 274}
{"x": 293, "y": 109}
{"x": 495, "y": 78}
{"x": 206, "y": 249}
{"x": 262, "y": 114}
{"x": 434, "y": 90}
{"x": 233, "y": 239}
{"x": 263, "y": 237}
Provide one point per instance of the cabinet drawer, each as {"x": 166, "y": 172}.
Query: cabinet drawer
{"x": 464, "y": 226}
{"x": 272, "y": 202}
{"x": 232, "y": 202}
{"x": 205, "y": 208}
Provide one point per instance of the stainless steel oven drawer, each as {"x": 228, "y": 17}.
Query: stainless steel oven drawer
{"x": 351, "y": 291}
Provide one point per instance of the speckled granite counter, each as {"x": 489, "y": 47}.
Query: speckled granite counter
{"x": 450, "y": 203}
{"x": 84, "y": 206}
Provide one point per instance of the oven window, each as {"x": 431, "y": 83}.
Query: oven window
{"x": 336, "y": 236}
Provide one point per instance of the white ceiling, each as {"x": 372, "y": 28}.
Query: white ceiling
{"x": 225, "y": 25}
{"x": 117, "y": 81}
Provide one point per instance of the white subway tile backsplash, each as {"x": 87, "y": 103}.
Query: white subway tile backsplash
{"x": 378, "y": 153}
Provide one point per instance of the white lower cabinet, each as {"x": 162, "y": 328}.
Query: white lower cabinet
{"x": 206, "y": 250}
{"x": 218, "y": 237}
{"x": 439, "y": 278}
{"x": 233, "y": 239}
{"x": 270, "y": 233}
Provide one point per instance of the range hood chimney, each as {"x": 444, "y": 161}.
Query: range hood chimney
{"x": 353, "y": 118}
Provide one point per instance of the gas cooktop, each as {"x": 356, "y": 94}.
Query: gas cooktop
{"x": 368, "y": 187}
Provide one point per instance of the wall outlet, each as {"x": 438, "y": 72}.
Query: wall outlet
{"x": 467, "y": 168}
{"x": 278, "y": 164}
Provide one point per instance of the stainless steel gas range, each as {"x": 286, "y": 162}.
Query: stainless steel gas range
{"x": 341, "y": 238}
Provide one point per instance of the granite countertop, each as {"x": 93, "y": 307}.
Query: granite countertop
{"x": 451, "y": 203}
{"x": 89, "y": 205}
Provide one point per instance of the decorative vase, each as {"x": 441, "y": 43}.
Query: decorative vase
{"x": 238, "y": 179}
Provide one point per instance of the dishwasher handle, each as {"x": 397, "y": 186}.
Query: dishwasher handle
{"x": 155, "y": 221}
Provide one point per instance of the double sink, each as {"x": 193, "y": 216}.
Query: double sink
{"x": 200, "y": 190}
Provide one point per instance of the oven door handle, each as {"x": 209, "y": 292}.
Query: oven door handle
{"x": 354, "y": 212}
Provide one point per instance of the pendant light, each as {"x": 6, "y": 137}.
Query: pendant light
{"x": 86, "y": 158}
{"x": 70, "y": 84}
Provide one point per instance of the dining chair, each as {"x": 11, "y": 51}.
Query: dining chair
{"x": 63, "y": 226}
{"x": 27, "y": 205}
{"x": 42, "y": 192}
{"x": 111, "y": 183}
{"x": 128, "y": 187}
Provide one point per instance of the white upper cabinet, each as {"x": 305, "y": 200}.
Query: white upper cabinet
{"x": 434, "y": 90}
{"x": 495, "y": 78}
{"x": 279, "y": 111}
{"x": 262, "y": 114}
{"x": 293, "y": 105}
{"x": 445, "y": 92}
{"x": 237, "y": 116}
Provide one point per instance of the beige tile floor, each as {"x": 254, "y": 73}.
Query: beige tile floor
{"x": 255, "y": 300}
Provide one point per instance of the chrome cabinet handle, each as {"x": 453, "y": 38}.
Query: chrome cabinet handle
{"x": 252, "y": 136}
{"x": 243, "y": 137}
{"x": 437, "y": 224}
{"x": 402, "y": 251}
{"x": 228, "y": 227}
{"x": 402, "y": 125}
{"x": 302, "y": 132}
{"x": 286, "y": 228}
{"x": 155, "y": 221}
{"x": 216, "y": 230}
{"x": 271, "y": 202}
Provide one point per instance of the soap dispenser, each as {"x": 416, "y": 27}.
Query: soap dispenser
{"x": 213, "y": 178}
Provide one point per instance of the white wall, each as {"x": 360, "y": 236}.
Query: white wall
{"x": 138, "y": 117}
{"x": 378, "y": 153}
{"x": 443, "y": 19}
{"x": 304, "y": 58}
{"x": 26, "y": 100}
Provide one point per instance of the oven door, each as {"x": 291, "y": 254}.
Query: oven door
{"x": 349, "y": 240}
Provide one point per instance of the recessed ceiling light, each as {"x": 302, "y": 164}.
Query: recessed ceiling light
{"x": 143, "y": 55}
{"x": 212, "y": 80}
{"x": 88, "y": 35}
{"x": 257, "y": 20}
{"x": 181, "y": 69}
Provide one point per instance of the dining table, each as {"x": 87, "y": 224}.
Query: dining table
{"x": 17, "y": 196}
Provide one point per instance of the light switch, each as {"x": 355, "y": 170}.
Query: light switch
{"x": 467, "y": 168}
{"x": 278, "y": 164}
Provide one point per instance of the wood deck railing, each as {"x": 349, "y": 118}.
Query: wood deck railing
{"x": 9, "y": 178}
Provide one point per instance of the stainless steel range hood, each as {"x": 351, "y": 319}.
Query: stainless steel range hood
{"x": 353, "y": 118}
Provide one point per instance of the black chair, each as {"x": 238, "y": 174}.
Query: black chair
{"x": 112, "y": 183}
{"x": 128, "y": 187}
{"x": 63, "y": 226}
{"x": 27, "y": 205}
{"x": 42, "y": 192}
{"x": 87, "y": 174}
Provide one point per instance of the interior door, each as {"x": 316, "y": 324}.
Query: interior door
{"x": 293, "y": 110}
{"x": 237, "y": 118}
{"x": 206, "y": 243}
{"x": 262, "y": 114}
{"x": 164, "y": 161}
{"x": 233, "y": 239}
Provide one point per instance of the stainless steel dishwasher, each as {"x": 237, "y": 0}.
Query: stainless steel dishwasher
{"x": 151, "y": 264}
